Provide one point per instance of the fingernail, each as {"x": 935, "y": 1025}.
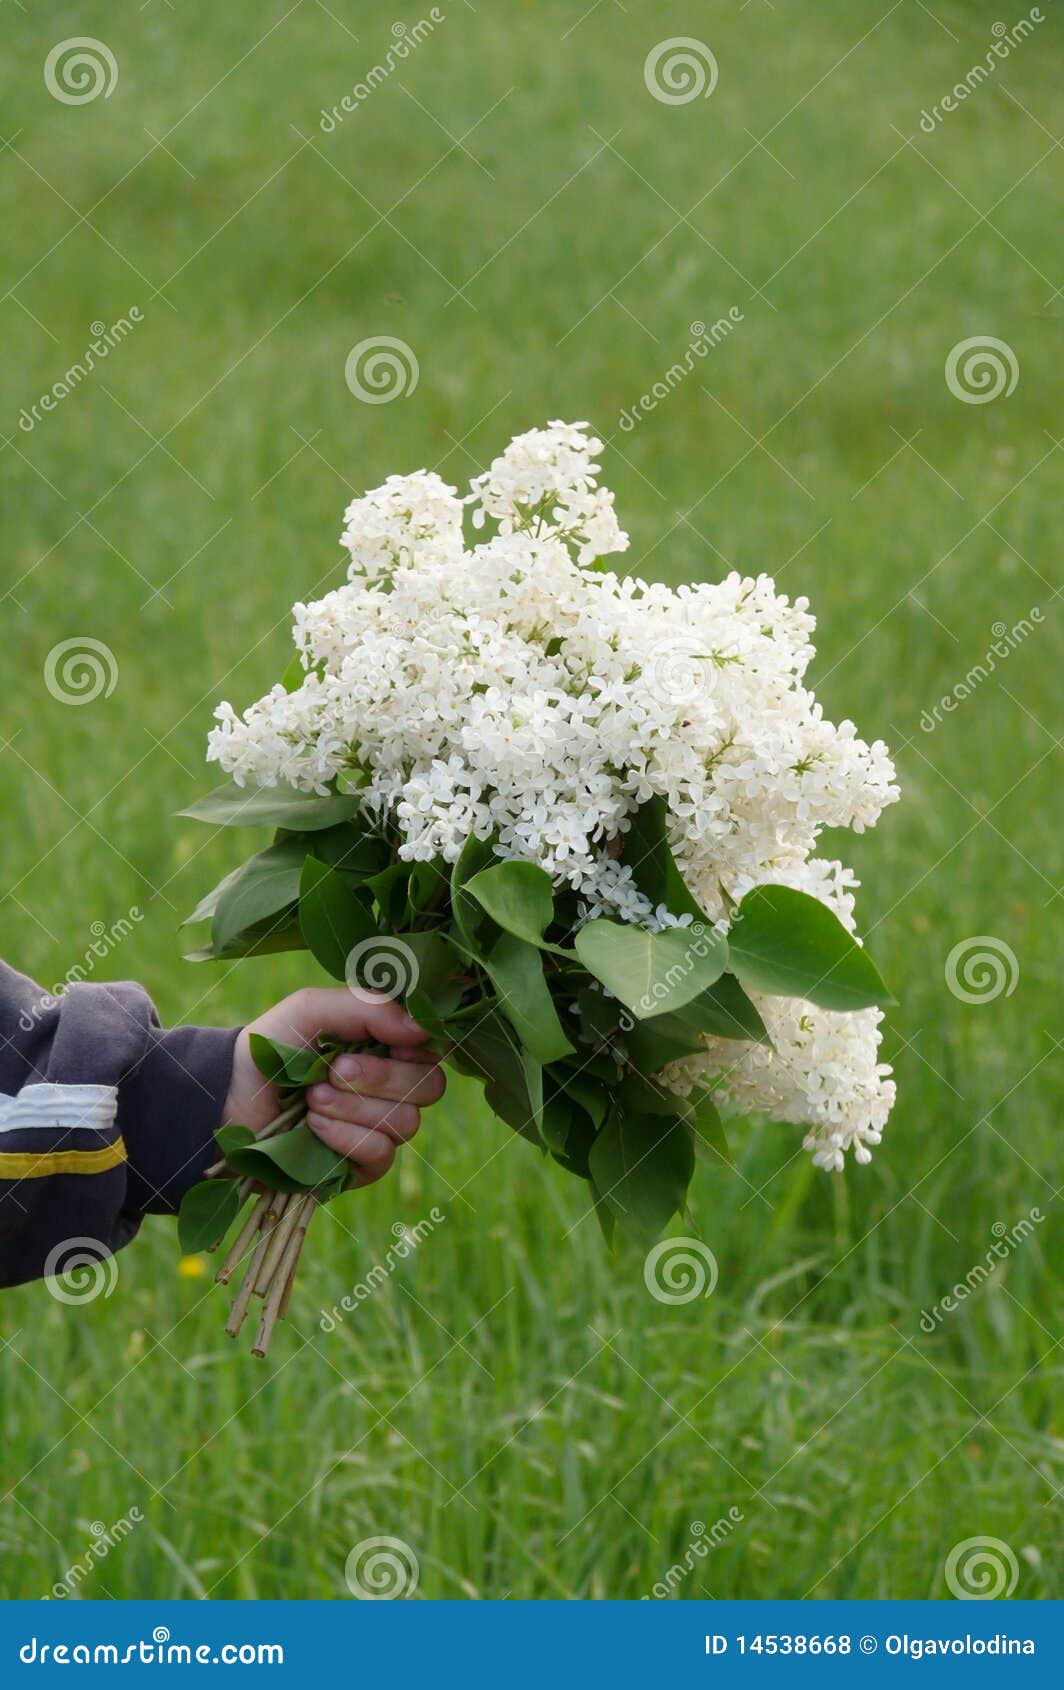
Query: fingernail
{"x": 408, "y": 1021}
{"x": 322, "y": 1095}
{"x": 348, "y": 1067}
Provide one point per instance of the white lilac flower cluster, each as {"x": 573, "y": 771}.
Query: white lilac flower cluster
{"x": 508, "y": 687}
{"x": 823, "y": 1070}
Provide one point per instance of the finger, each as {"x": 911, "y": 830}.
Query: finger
{"x": 351, "y": 1017}
{"x": 371, "y": 1152}
{"x": 383, "y": 1076}
{"x": 399, "y": 1120}
{"x": 414, "y": 1053}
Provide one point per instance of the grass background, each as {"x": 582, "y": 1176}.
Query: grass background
{"x": 514, "y": 205}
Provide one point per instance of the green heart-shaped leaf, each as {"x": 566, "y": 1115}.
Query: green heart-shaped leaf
{"x": 475, "y": 855}
{"x": 287, "y": 1065}
{"x": 788, "y": 944}
{"x": 265, "y": 884}
{"x": 641, "y": 1166}
{"x": 207, "y": 1212}
{"x": 233, "y": 1137}
{"x": 333, "y": 919}
{"x": 293, "y": 1161}
{"x": 230, "y": 805}
{"x": 652, "y": 973}
{"x": 518, "y": 896}
{"x": 647, "y": 852}
{"x": 516, "y": 971}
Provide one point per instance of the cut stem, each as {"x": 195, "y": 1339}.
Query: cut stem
{"x": 243, "y": 1240}
{"x": 285, "y": 1118}
{"x": 279, "y": 1236}
{"x": 243, "y": 1296}
{"x": 282, "y": 1281}
{"x": 286, "y": 1296}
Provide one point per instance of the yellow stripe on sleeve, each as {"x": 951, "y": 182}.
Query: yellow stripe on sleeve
{"x": 18, "y": 1164}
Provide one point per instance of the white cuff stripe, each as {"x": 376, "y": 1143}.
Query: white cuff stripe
{"x": 52, "y": 1108}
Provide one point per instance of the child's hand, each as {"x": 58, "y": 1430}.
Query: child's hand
{"x": 370, "y": 1104}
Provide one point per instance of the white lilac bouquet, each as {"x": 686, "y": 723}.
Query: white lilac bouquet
{"x": 570, "y": 817}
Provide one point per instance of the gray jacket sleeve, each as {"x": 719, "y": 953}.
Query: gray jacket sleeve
{"x": 104, "y": 1118}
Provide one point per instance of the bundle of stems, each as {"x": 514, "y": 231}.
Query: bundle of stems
{"x": 269, "y": 1243}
